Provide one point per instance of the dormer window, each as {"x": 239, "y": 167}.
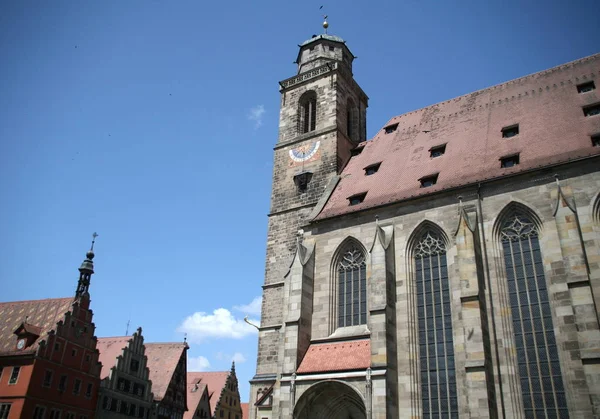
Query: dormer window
{"x": 391, "y": 128}
{"x": 372, "y": 169}
{"x": 437, "y": 151}
{"x": 586, "y": 87}
{"x": 592, "y": 110}
{"x": 428, "y": 181}
{"x": 511, "y": 131}
{"x": 357, "y": 199}
{"x": 307, "y": 112}
{"x": 356, "y": 151}
{"x": 509, "y": 161}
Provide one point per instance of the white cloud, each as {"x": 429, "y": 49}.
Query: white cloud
{"x": 221, "y": 323}
{"x": 198, "y": 364}
{"x": 256, "y": 115}
{"x": 253, "y": 308}
{"x": 238, "y": 358}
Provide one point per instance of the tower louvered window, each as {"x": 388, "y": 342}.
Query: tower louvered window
{"x": 436, "y": 349}
{"x": 352, "y": 288}
{"x": 307, "y": 113}
{"x": 537, "y": 354}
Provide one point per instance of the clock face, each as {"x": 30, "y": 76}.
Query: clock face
{"x": 304, "y": 152}
{"x": 21, "y": 344}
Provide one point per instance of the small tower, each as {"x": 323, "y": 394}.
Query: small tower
{"x": 322, "y": 119}
{"x": 85, "y": 272}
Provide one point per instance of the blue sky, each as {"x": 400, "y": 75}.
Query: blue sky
{"x": 153, "y": 123}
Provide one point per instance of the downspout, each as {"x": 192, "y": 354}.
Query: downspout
{"x": 489, "y": 286}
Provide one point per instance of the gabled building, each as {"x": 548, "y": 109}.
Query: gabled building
{"x": 449, "y": 266}
{"x": 198, "y": 400}
{"x": 223, "y": 392}
{"x": 48, "y": 358}
{"x": 167, "y": 363}
{"x": 125, "y": 389}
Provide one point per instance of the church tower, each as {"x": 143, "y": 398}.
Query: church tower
{"x": 322, "y": 121}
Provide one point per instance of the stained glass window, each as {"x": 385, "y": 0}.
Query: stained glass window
{"x": 537, "y": 354}
{"x": 352, "y": 288}
{"x": 436, "y": 350}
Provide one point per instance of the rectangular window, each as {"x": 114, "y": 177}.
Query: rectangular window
{"x": 123, "y": 407}
{"x": 39, "y": 412}
{"x": 48, "y": 378}
{"x": 437, "y": 151}
{"x": 4, "y": 410}
{"x": 509, "y": 161}
{"x": 428, "y": 181}
{"x": 586, "y": 87}
{"x": 73, "y": 352}
{"x": 511, "y": 131}
{"x": 391, "y": 128}
{"x": 70, "y": 415}
{"x": 596, "y": 140}
{"x": 88, "y": 391}
{"x": 77, "y": 386}
{"x": 62, "y": 384}
{"x": 141, "y": 412}
{"x": 131, "y": 411}
{"x": 134, "y": 365}
{"x": 57, "y": 346}
{"x": 14, "y": 376}
{"x": 54, "y": 414}
{"x": 592, "y": 110}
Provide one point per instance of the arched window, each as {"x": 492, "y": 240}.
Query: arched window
{"x": 352, "y": 287}
{"x": 307, "y": 112}
{"x": 436, "y": 346}
{"x": 537, "y": 355}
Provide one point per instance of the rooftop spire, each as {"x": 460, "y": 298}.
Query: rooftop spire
{"x": 325, "y": 24}
{"x": 86, "y": 270}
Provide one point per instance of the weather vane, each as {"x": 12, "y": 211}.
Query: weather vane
{"x": 325, "y": 24}
{"x": 93, "y": 240}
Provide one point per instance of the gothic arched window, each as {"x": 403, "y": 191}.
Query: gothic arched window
{"x": 537, "y": 354}
{"x": 307, "y": 112}
{"x": 436, "y": 346}
{"x": 352, "y": 288}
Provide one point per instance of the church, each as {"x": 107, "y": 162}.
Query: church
{"x": 447, "y": 267}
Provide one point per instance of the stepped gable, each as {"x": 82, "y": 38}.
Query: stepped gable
{"x": 552, "y": 130}
{"x": 215, "y": 381}
{"x": 339, "y": 356}
{"x": 37, "y": 317}
{"x": 162, "y": 361}
{"x": 110, "y": 349}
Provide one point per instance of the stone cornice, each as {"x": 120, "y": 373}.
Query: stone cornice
{"x": 307, "y": 136}
{"x": 308, "y": 75}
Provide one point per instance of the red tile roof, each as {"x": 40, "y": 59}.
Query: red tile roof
{"x": 216, "y": 383}
{"x": 110, "y": 349}
{"x": 339, "y": 356}
{"x": 162, "y": 361}
{"x": 245, "y": 410}
{"x": 195, "y": 389}
{"x": 552, "y": 129}
{"x": 41, "y": 316}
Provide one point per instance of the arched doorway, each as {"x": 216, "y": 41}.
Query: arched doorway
{"x": 330, "y": 400}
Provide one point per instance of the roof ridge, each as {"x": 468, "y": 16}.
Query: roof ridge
{"x": 505, "y": 83}
{"x": 36, "y": 301}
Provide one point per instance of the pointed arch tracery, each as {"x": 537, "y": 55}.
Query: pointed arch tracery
{"x": 427, "y": 249}
{"x": 350, "y": 269}
{"x": 307, "y": 112}
{"x": 518, "y": 229}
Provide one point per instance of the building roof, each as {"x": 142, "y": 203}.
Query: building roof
{"x": 110, "y": 349}
{"x": 245, "y": 410}
{"x": 552, "y": 130}
{"x": 215, "y": 381}
{"x": 339, "y": 356}
{"x": 325, "y": 36}
{"x": 39, "y": 316}
{"x": 162, "y": 361}
{"x": 195, "y": 389}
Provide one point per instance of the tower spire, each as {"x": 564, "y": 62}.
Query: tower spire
{"x": 86, "y": 270}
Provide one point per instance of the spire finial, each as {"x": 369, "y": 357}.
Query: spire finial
{"x": 325, "y": 23}
{"x": 93, "y": 241}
